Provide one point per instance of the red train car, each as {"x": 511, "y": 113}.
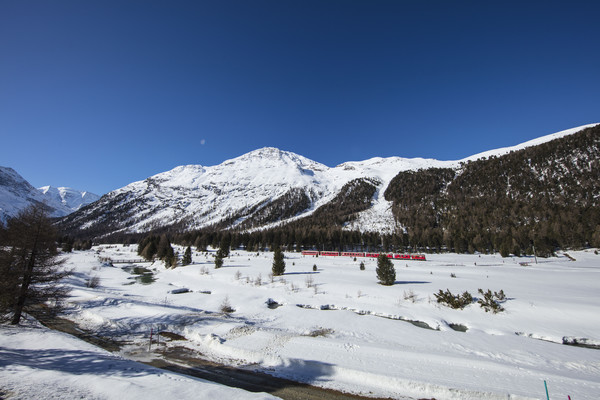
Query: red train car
{"x": 353, "y": 254}
{"x": 418, "y": 257}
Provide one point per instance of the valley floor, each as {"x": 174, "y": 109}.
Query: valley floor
{"x": 337, "y": 328}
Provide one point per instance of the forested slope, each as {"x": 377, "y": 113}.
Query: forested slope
{"x": 545, "y": 196}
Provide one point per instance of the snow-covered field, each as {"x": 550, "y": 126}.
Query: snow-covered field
{"x": 337, "y": 327}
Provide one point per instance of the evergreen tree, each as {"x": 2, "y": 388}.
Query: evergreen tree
{"x": 278, "y": 263}
{"x": 164, "y": 248}
{"x": 187, "y": 256}
{"x": 218, "y": 260}
{"x": 385, "y": 270}
{"x": 224, "y": 245}
{"x": 149, "y": 251}
{"x": 170, "y": 259}
{"x": 29, "y": 263}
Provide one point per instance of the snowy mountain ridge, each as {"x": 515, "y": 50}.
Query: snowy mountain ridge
{"x": 16, "y": 194}
{"x": 72, "y": 199}
{"x": 254, "y": 191}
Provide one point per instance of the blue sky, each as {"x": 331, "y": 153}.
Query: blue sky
{"x": 97, "y": 94}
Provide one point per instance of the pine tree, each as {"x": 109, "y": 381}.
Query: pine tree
{"x": 164, "y": 248}
{"x": 218, "y": 260}
{"x": 149, "y": 251}
{"x": 187, "y": 256}
{"x": 29, "y": 263}
{"x": 385, "y": 270}
{"x": 278, "y": 263}
{"x": 224, "y": 245}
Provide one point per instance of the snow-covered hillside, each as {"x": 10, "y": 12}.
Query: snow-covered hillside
{"x": 245, "y": 189}
{"x": 37, "y": 363}
{"x": 72, "y": 199}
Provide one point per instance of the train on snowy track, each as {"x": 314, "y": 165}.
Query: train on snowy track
{"x": 419, "y": 257}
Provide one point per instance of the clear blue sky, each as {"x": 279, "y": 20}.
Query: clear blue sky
{"x": 97, "y": 94}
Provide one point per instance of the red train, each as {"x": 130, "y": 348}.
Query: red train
{"x": 420, "y": 257}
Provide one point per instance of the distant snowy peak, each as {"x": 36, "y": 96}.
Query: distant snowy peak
{"x": 17, "y": 194}
{"x": 72, "y": 199}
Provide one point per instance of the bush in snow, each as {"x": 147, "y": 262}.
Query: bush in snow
{"x": 362, "y": 265}
{"x": 454, "y": 301}
{"x": 491, "y": 301}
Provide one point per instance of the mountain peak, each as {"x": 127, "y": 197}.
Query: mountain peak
{"x": 269, "y": 153}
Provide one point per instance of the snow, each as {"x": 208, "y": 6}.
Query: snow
{"x": 337, "y": 328}
{"x": 36, "y": 363}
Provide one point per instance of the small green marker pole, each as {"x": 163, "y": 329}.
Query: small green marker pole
{"x": 546, "y": 386}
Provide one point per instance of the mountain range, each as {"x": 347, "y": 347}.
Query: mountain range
{"x": 263, "y": 189}
{"x": 16, "y": 194}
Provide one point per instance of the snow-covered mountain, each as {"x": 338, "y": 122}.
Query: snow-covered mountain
{"x": 254, "y": 189}
{"x": 17, "y": 194}
{"x": 259, "y": 189}
{"x": 72, "y": 199}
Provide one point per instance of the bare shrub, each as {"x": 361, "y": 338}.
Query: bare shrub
{"x": 309, "y": 281}
{"x": 320, "y": 332}
{"x": 93, "y": 282}
{"x": 226, "y": 307}
{"x": 410, "y": 296}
